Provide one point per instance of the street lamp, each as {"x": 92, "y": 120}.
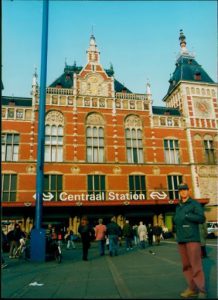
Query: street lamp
{"x": 37, "y": 241}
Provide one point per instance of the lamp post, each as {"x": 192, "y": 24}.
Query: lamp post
{"x": 37, "y": 246}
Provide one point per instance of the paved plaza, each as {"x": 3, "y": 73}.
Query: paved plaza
{"x": 133, "y": 274}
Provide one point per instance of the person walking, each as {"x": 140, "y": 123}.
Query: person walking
{"x": 69, "y": 236}
{"x": 142, "y": 232}
{"x": 188, "y": 215}
{"x": 157, "y": 231}
{"x": 100, "y": 236}
{"x": 86, "y": 233}
{"x": 14, "y": 237}
{"x": 113, "y": 232}
{"x": 135, "y": 234}
{"x": 128, "y": 235}
{"x": 150, "y": 234}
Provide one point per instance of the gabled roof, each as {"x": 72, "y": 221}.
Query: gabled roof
{"x": 16, "y": 101}
{"x": 66, "y": 79}
{"x": 159, "y": 110}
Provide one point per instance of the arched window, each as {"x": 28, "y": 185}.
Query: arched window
{"x": 54, "y": 137}
{"x": 95, "y": 138}
{"x": 209, "y": 150}
{"x": 133, "y": 134}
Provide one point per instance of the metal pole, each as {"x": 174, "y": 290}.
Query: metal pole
{"x": 38, "y": 234}
{"x": 41, "y": 119}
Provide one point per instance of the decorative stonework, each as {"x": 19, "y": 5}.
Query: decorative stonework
{"x": 75, "y": 170}
{"x": 95, "y": 119}
{"x": 31, "y": 169}
{"x": 133, "y": 121}
{"x": 156, "y": 171}
{"x": 54, "y": 117}
{"x": 117, "y": 170}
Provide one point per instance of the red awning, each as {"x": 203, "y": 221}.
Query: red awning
{"x": 98, "y": 203}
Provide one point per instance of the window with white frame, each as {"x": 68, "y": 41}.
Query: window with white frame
{"x": 133, "y": 135}
{"x": 173, "y": 183}
{"x": 9, "y": 187}
{"x": 137, "y": 185}
{"x": 171, "y": 151}
{"x": 209, "y": 151}
{"x": 10, "y": 146}
{"x": 96, "y": 186}
{"x": 95, "y": 138}
{"x": 53, "y": 185}
{"x": 54, "y": 137}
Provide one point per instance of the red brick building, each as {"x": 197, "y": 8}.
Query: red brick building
{"x": 109, "y": 151}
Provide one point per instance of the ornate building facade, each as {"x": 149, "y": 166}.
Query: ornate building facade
{"x": 109, "y": 151}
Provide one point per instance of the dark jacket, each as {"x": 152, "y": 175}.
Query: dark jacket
{"x": 187, "y": 218}
{"x": 127, "y": 231}
{"x": 113, "y": 229}
{"x": 86, "y": 232}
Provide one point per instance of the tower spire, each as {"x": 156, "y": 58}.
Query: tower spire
{"x": 182, "y": 39}
{"x": 93, "y": 55}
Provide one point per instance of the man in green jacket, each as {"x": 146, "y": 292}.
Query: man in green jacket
{"x": 189, "y": 214}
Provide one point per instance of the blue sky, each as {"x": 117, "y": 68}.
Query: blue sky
{"x": 140, "y": 39}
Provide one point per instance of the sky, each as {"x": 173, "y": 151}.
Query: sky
{"x": 139, "y": 38}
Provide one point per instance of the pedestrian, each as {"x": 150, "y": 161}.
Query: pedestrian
{"x": 189, "y": 214}
{"x": 150, "y": 234}
{"x": 100, "y": 236}
{"x": 3, "y": 242}
{"x": 142, "y": 232}
{"x": 128, "y": 235}
{"x": 113, "y": 232}
{"x": 69, "y": 238}
{"x": 14, "y": 237}
{"x": 157, "y": 231}
{"x": 203, "y": 238}
{"x": 135, "y": 234}
{"x": 86, "y": 233}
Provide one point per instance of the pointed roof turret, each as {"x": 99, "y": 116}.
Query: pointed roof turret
{"x": 187, "y": 68}
{"x": 93, "y": 55}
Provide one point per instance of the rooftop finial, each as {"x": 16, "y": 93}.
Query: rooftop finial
{"x": 65, "y": 61}
{"x": 148, "y": 87}
{"x": 182, "y": 39}
{"x": 35, "y": 76}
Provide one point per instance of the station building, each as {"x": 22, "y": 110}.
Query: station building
{"x": 109, "y": 151}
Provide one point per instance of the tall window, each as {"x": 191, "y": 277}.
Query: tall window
{"x": 173, "y": 183}
{"x": 133, "y": 132}
{"x": 96, "y": 187}
{"x": 53, "y": 184}
{"x": 95, "y": 138}
{"x": 95, "y": 144}
{"x": 171, "y": 151}
{"x": 9, "y": 187}
{"x": 209, "y": 151}
{"x": 10, "y": 146}
{"x": 54, "y": 124}
{"x": 53, "y": 143}
{"x": 137, "y": 185}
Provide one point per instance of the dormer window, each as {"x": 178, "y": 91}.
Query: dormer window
{"x": 68, "y": 77}
{"x": 58, "y": 86}
{"x": 197, "y": 76}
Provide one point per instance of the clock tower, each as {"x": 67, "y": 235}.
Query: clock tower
{"x": 194, "y": 93}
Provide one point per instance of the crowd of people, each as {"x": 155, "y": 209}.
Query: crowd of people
{"x": 108, "y": 236}
{"x": 189, "y": 228}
